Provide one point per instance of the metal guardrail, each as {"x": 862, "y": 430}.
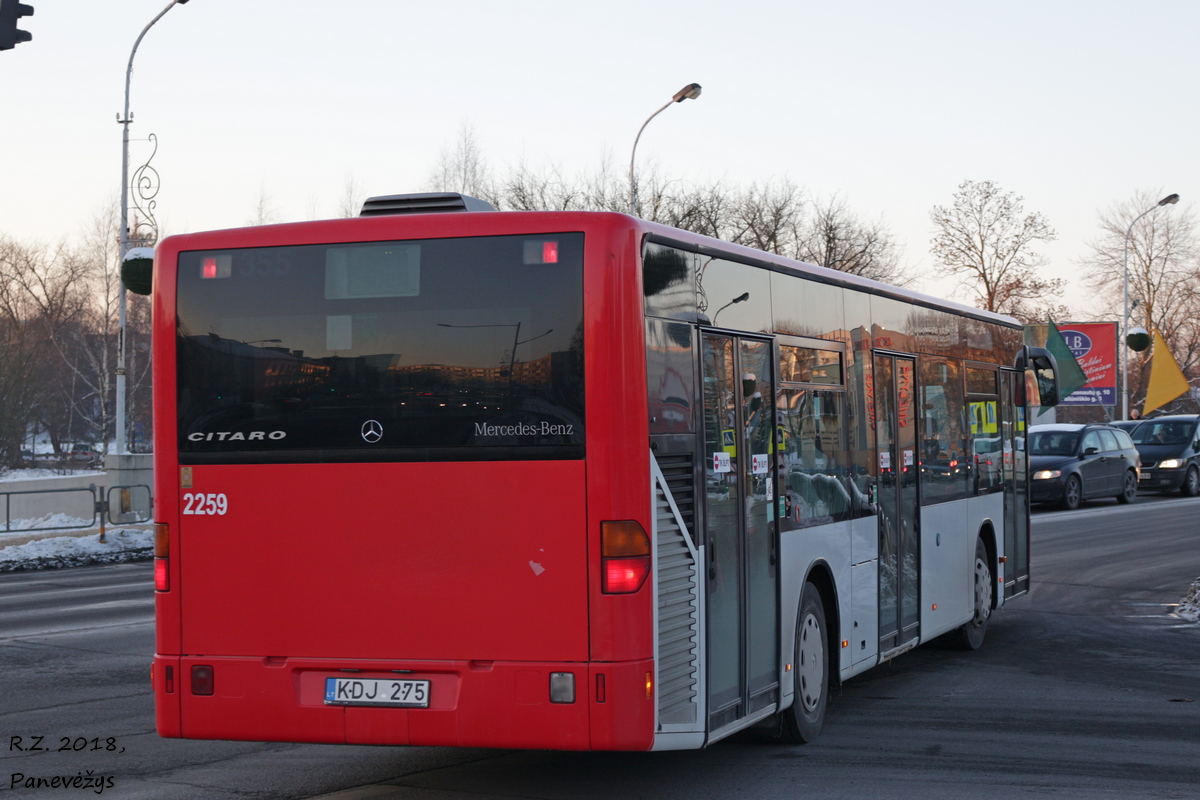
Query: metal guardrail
{"x": 131, "y": 504}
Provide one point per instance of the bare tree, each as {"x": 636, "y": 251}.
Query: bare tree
{"x": 769, "y": 216}
{"x": 1164, "y": 278}
{"x": 835, "y": 237}
{"x": 40, "y": 296}
{"x": 264, "y": 213}
{"x": 986, "y": 241}
{"x": 463, "y": 169}
{"x": 351, "y": 202}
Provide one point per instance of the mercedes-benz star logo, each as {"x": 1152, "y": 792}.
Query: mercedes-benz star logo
{"x": 372, "y": 431}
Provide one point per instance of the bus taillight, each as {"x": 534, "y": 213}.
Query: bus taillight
{"x": 162, "y": 552}
{"x": 625, "y": 556}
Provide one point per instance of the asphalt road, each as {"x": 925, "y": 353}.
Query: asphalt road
{"x": 1086, "y": 688}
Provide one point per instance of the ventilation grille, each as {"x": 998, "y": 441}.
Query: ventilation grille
{"x": 428, "y": 203}
{"x": 680, "y": 476}
{"x": 678, "y": 635}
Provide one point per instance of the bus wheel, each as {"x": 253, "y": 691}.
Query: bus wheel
{"x": 971, "y": 635}
{"x": 803, "y": 719}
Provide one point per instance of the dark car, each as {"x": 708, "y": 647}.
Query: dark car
{"x": 1170, "y": 451}
{"x": 1072, "y": 463}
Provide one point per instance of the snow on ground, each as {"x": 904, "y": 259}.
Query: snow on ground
{"x": 43, "y": 523}
{"x": 52, "y": 552}
{"x": 1189, "y": 609}
{"x": 38, "y": 474}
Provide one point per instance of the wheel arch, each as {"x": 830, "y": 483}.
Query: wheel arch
{"x": 820, "y": 575}
{"x": 987, "y": 533}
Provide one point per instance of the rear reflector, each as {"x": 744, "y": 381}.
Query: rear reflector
{"x": 625, "y": 556}
{"x": 562, "y": 687}
{"x": 202, "y": 679}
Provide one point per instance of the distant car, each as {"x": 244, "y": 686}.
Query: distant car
{"x": 988, "y": 457}
{"x": 1126, "y": 425}
{"x": 83, "y": 452}
{"x": 1170, "y": 451}
{"x": 1072, "y": 463}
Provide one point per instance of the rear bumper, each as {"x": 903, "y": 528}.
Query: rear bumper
{"x": 472, "y": 703}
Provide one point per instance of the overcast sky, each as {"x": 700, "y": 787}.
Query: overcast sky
{"x": 1073, "y": 104}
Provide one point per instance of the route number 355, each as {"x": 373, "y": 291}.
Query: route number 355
{"x": 199, "y": 503}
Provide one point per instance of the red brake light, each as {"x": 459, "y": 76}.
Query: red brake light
{"x": 625, "y": 557}
{"x": 549, "y": 252}
{"x": 625, "y": 575}
{"x": 210, "y": 267}
{"x": 162, "y": 552}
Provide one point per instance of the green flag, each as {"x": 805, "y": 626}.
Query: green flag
{"x": 1070, "y": 374}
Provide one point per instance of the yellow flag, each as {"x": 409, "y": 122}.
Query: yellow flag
{"x": 1166, "y": 378}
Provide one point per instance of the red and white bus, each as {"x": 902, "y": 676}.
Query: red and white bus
{"x": 561, "y": 480}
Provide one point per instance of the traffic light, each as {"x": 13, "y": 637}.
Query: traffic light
{"x": 10, "y": 12}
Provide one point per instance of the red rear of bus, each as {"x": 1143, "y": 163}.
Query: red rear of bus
{"x": 382, "y": 483}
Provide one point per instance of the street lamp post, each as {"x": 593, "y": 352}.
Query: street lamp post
{"x": 124, "y": 122}
{"x": 689, "y": 92}
{"x": 1170, "y": 199}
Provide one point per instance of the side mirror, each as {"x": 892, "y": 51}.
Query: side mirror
{"x": 1090, "y": 451}
{"x": 1041, "y": 376}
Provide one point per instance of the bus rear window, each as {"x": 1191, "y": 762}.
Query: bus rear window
{"x": 437, "y": 349}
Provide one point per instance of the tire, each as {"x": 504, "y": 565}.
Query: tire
{"x": 1191, "y": 482}
{"x": 1072, "y": 493}
{"x": 1129, "y": 489}
{"x": 970, "y": 636}
{"x": 802, "y": 721}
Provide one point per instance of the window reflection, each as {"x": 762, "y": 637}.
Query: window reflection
{"x": 471, "y": 351}
{"x": 948, "y": 465}
{"x": 734, "y": 295}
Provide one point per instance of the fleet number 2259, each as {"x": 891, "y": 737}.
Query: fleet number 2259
{"x": 199, "y": 503}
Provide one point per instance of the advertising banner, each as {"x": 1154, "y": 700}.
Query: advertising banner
{"x": 1094, "y": 345}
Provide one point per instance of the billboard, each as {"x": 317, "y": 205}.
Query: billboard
{"x": 1094, "y": 345}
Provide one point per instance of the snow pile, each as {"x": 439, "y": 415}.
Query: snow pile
{"x": 44, "y": 523}
{"x": 39, "y": 474}
{"x": 123, "y": 544}
{"x": 1189, "y": 609}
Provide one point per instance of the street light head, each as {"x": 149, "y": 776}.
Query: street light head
{"x": 689, "y": 92}
{"x": 1169, "y": 200}
{"x": 743, "y": 297}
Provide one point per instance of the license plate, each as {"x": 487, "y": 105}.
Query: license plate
{"x": 376, "y": 692}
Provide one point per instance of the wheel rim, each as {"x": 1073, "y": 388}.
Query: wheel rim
{"x": 1073, "y": 490}
{"x": 810, "y": 669}
{"x": 1130, "y": 486}
{"x": 1193, "y": 481}
{"x": 983, "y": 592}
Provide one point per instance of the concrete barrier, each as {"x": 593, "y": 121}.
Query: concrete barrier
{"x": 49, "y": 497}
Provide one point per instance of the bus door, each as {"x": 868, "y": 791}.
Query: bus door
{"x": 1015, "y": 472}
{"x": 899, "y": 535}
{"x": 742, "y": 606}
